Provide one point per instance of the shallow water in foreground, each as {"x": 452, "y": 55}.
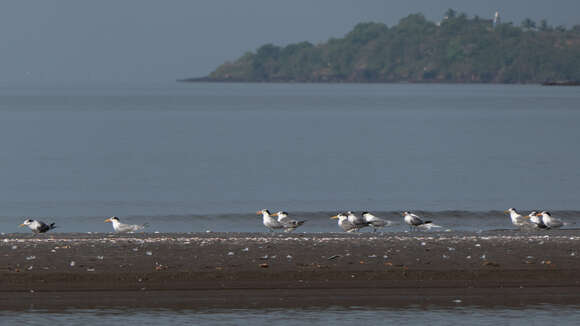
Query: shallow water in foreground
{"x": 415, "y": 315}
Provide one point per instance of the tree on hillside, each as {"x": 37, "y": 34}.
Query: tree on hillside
{"x": 528, "y": 24}
{"x": 459, "y": 49}
{"x": 450, "y": 13}
{"x": 544, "y": 25}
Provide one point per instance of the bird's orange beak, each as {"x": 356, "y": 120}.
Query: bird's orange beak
{"x": 108, "y": 220}
{"x": 335, "y": 216}
{"x": 21, "y": 225}
{"x": 259, "y": 213}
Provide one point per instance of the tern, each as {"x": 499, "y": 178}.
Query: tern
{"x": 375, "y": 222}
{"x": 415, "y": 221}
{"x": 38, "y": 226}
{"x": 122, "y": 227}
{"x": 517, "y": 219}
{"x": 270, "y": 222}
{"x": 344, "y": 223}
{"x": 289, "y": 224}
{"x": 358, "y": 222}
{"x": 536, "y": 220}
{"x": 549, "y": 221}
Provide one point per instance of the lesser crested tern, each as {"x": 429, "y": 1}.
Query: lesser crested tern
{"x": 38, "y": 226}
{"x": 122, "y": 227}
{"x": 550, "y": 221}
{"x": 536, "y": 220}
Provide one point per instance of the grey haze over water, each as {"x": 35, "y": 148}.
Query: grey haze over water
{"x": 181, "y": 149}
{"x": 147, "y": 40}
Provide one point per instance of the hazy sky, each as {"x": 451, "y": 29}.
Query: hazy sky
{"x": 154, "y": 40}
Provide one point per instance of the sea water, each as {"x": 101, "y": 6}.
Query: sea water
{"x": 195, "y": 156}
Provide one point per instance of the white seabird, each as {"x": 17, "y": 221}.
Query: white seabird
{"x": 122, "y": 227}
{"x": 38, "y": 226}
{"x": 289, "y": 223}
{"x": 375, "y": 222}
{"x": 270, "y": 222}
{"x": 415, "y": 221}
{"x": 549, "y": 221}
{"x": 357, "y": 221}
{"x": 516, "y": 218}
{"x": 536, "y": 220}
{"x": 344, "y": 223}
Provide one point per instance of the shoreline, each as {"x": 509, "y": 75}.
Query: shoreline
{"x": 331, "y": 82}
{"x": 291, "y": 270}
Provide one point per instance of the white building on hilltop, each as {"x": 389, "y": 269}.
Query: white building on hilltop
{"x": 496, "y": 19}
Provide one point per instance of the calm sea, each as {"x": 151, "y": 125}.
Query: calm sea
{"x": 185, "y": 156}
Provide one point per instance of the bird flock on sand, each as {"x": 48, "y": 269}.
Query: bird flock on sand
{"x": 541, "y": 220}
{"x": 41, "y": 227}
{"x": 348, "y": 222}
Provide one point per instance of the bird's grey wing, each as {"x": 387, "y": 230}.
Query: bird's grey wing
{"x": 42, "y": 227}
{"x": 378, "y": 223}
{"x": 285, "y": 220}
{"x": 347, "y": 226}
{"x": 416, "y": 220}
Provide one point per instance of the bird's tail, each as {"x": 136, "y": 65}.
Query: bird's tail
{"x": 52, "y": 226}
{"x": 430, "y": 225}
{"x": 427, "y": 222}
{"x": 291, "y": 227}
{"x": 145, "y": 225}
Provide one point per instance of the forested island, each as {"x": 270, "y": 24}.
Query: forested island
{"x": 459, "y": 49}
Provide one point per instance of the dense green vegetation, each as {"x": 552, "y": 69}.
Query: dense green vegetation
{"x": 459, "y": 49}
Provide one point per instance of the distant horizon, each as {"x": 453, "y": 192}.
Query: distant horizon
{"x": 133, "y": 41}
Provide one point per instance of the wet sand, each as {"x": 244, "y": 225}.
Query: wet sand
{"x": 288, "y": 270}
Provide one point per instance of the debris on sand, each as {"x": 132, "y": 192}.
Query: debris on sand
{"x": 489, "y": 263}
